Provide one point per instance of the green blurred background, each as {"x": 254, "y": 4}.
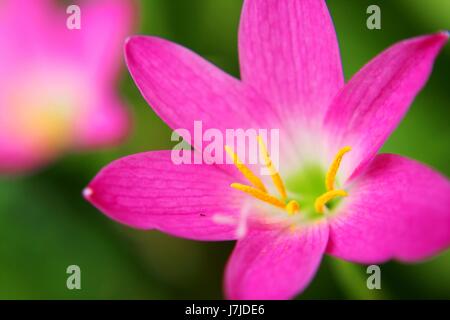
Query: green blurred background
{"x": 45, "y": 225}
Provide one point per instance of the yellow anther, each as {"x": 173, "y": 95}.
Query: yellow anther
{"x": 292, "y": 207}
{"x": 254, "y": 180}
{"x": 321, "y": 201}
{"x": 331, "y": 174}
{"x": 277, "y": 181}
{"x": 259, "y": 194}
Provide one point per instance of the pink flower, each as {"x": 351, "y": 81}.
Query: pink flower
{"x": 339, "y": 197}
{"x": 58, "y": 85}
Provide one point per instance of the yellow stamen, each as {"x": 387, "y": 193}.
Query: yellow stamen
{"x": 321, "y": 201}
{"x": 278, "y": 182}
{"x": 330, "y": 177}
{"x": 254, "y": 180}
{"x": 259, "y": 194}
{"x": 331, "y": 174}
{"x": 258, "y": 190}
{"x": 292, "y": 207}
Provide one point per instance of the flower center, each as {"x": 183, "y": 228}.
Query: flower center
{"x": 258, "y": 190}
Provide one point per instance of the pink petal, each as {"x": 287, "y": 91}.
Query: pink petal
{"x": 374, "y": 101}
{"x": 105, "y": 122}
{"x": 24, "y": 29}
{"x": 182, "y": 88}
{"x": 289, "y": 52}
{"x": 148, "y": 191}
{"x": 398, "y": 208}
{"x": 98, "y": 48}
{"x": 105, "y": 26}
{"x": 275, "y": 263}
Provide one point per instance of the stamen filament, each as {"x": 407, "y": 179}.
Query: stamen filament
{"x": 292, "y": 207}
{"x": 321, "y": 201}
{"x": 259, "y": 194}
{"x": 331, "y": 174}
{"x": 277, "y": 181}
{"x": 251, "y": 177}
{"x": 258, "y": 190}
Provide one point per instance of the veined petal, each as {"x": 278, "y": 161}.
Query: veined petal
{"x": 148, "y": 191}
{"x": 289, "y": 52}
{"x": 275, "y": 263}
{"x": 371, "y": 105}
{"x": 182, "y": 88}
{"x": 398, "y": 208}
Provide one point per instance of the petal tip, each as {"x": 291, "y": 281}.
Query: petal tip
{"x": 128, "y": 43}
{"x": 87, "y": 193}
{"x": 131, "y": 46}
{"x": 445, "y": 33}
{"x": 441, "y": 37}
{"x": 129, "y": 39}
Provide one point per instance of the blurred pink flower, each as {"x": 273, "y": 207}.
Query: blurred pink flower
{"x": 58, "y": 86}
{"x": 342, "y": 198}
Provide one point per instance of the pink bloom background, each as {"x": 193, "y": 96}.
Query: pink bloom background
{"x": 59, "y": 86}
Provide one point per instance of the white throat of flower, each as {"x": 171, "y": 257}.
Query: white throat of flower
{"x": 258, "y": 190}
